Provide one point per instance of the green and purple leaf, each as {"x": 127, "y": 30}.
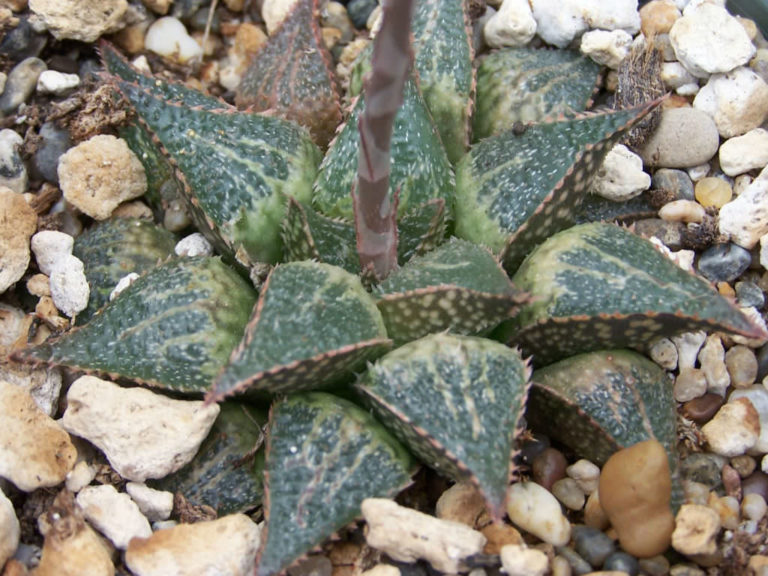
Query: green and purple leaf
{"x": 324, "y": 457}
{"x": 456, "y": 402}
{"x": 313, "y": 325}
{"x": 174, "y": 328}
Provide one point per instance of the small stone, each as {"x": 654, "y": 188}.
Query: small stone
{"x": 757, "y": 482}
{"x": 731, "y": 481}
{"x": 734, "y": 429}
{"x": 83, "y": 20}
{"x": 154, "y": 504}
{"x": 14, "y": 326}
{"x": 43, "y": 384}
{"x": 742, "y": 366}
{"x": 558, "y": 22}
{"x": 133, "y": 210}
{"x": 113, "y": 514}
{"x": 561, "y": 567}
{"x": 335, "y": 15}
{"x": 737, "y": 101}
{"x": 383, "y": 570}
{"x": 122, "y": 284}
{"x": 621, "y": 176}
{"x": 18, "y": 222}
{"x": 696, "y": 530}
{"x": 21, "y": 83}
{"x": 577, "y": 564}
{"x": 635, "y": 492}
{"x": 754, "y": 507}
{"x": 744, "y": 153}
{"x": 50, "y": 248}
{"x": 498, "y": 536}
{"x": 758, "y": 565}
{"x": 701, "y": 410}
{"x": 442, "y": 543}
{"x": 34, "y": 450}
{"x": 606, "y": 48}
{"x": 168, "y": 37}
{"x": 69, "y": 286}
{"x": 741, "y": 183}
{"x": 143, "y": 434}
{"x": 713, "y": 191}
{"x": 512, "y": 25}
{"x": 10, "y": 531}
{"x": 56, "y": 83}
{"x": 592, "y": 545}
{"x": 567, "y": 491}
{"x": 688, "y": 346}
{"x": 594, "y": 515}
{"x": 758, "y": 397}
{"x": 227, "y": 545}
{"x": 703, "y": 468}
{"x": 708, "y": 40}
{"x": 676, "y": 182}
{"x": 744, "y": 465}
{"x": 664, "y": 353}
{"x": 750, "y": 294}
{"x": 193, "y": 245}
{"x": 100, "y": 173}
{"x": 689, "y": 384}
{"x": 698, "y": 172}
{"x": 686, "y": 570}
{"x": 712, "y": 360}
{"x": 616, "y": 15}
{"x": 517, "y": 560}
{"x": 654, "y": 566}
{"x": 685, "y": 137}
{"x": 80, "y": 476}
{"x": 535, "y": 510}
{"x": 586, "y": 474}
{"x": 548, "y": 467}
{"x": 675, "y": 76}
{"x": 461, "y": 503}
{"x": 55, "y": 142}
{"x": 360, "y": 11}
{"x": 315, "y": 565}
{"x": 13, "y": 174}
{"x": 622, "y": 562}
{"x": 724, "y": 262}
{"x": 657, "y": 17}
{"x": 695, "y": 492}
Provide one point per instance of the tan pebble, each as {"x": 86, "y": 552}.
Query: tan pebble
{"x": 594, "y": 515}
{"x": 462, "y": 503}
{"x": 657, "y": 17}
{"x": 249, "y": 39}
{"x": 561, "y": 567}
{"x": 498, "y": 536}
{"x": 521, "y": 561}
{"x": 742, "y": 366}
{"x": 135, "y": 210}
{"x": 744, "y": 465}
{"x": 727, "y": 508}
{"x": 713, "y": 191}
{"x": 635, "y": 492}
{"x": 382, "y": 570}
{"x": 734, "y": 429}
{"x": 38, "y": 285}
{"x": 567, "y": 491}
{"x": 726, "y": 290}
{"x": 749, "y": 26}
{"x": 331, "y": 37}
{"x": 696, "y": 492}
{"x": 131, "y": 38}
{"x": 758, "y": 564}
{"x": 696, "y": 530}
{"x": 18, "y": 221}
{"x": 682, "y": 211}
{"x": 15, "y": 568}
{"x": 585, "y": 473}
{"x": 754, "y": 507}
{"x": 235, "y": 5}
{"x": 158, "y": 6}
{"x": 690, "y": 383}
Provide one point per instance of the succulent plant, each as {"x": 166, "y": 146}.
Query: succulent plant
{"x": 428, "y": 348}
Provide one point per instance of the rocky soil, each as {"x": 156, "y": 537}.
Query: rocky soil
{"x": 75, "y": 451}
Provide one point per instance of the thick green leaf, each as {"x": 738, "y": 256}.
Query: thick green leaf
{"x": 600, "y": 402}
{"x": 324, "y": 457}
{"x": 458, "y": 287}
{"x": 522, "y": 85}
{"x": 292, "y": 75}
{"x": 599, "y": 286}
{"x": 420, "y": 168}
{"x": 455, "y": 401}
{"x": 115, "y": 248}
{"x": 227, "y": 471}
{"x": 506, "y": 204}
{"x": 314, "y": 323}
{"x": 237, "y": 169}
{"x": 173, "y": 328}
{"x": 442, "y": 43}
{"x": 421, "y": 230}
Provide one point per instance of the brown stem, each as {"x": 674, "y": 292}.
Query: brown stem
{"x": 375, "y": 213}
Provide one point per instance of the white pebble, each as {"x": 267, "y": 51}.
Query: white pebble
{"x": 741, "y": 183}
{"x": 558, "y": 21}
{"x": 168, "y": 37}
{"x": 122, "y": 284}
{"x": 744, "y": 153}
{"x": 753, "y": 506}
{"x": 56, "y": 83}
{"x": 744, "y": 220}
{"x": 689, "y": 384}
{"x": 696, "y": 530}
{"x": 686, "y": 211}
{"x": 688, "y": 346}
{"x": 512, "y": 25}
{"x": 712, "y": 360}
{"x": 621, "y": 176}
{"x": 534, "y": 509}
{"x": 141, "y": 64}
{"x": 10, "y": 530}
{"x": 674, "y": 75}
{"x": 737, "y": 101}
{"x": 69, "y": 286}
{"x": 758, "y": 396}
{"x": 698, "y": 172}
{"x": 585, "y": 473}
{"x": 113, "y": 514}
{"x": 80, "y": 476}
{"x": 664, "y": 353}
{"x": 734, "y": 429}
{"x": 690, "y": 89}
{"x": 614, "y": 15}
{"x": 154, "y": 504}
{"x": 518, "y": 560}
{"x": 273, "y": 12}
{"x": 606, "y": 48}
{"x": 50, "y": 248}
{"x": 194, "y": 245}
{"x": 568, "y": 492}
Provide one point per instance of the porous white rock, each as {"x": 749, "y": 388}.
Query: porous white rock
{"x": 674, "y": 75}
{"x": 273, "y": 12}
{"x": 607, "y": 48}
{"x": 712, "y": 361}
{"x": 621, "y": 176}
{"x": 696, "y": 530}
{"x": 10, "y": 531}
{"x": 226, "y": 546}
{"x": 122, "y": 284}
{"x": 51, "y": 246}
{"x": 13, "y": 174}
{"x": 35, "y": 452}
{"x": 142, "y": 434}
{"x": 688, "y": 346}
{"x": 43, "y": 384}
{"x": 708, "y": 40}
{"x": 737, "y": 101}
{"x": 69, "y": 286}
{"x": 154, "y": 504}
{"x": 168, "y": 37}
{"x": 512, "y": 25}
{"x": 744, "y": 153}
{"x": 519, "y": 560}
{"x": 194, "y": 245}
{"x": 734, "y": 429}
{"x": 113, "y": 514}
{"x": 442, "y": 543}
{"x": 685, "y": 137}
{"x": 558, "y": 22}
{"x": 18, "y": 222}
{"x": 614, "y": 15}
{"x": 534, "y": 509}
{"x": 56, "y": 83}
{"x": 83, "y": 20}
{"x": 80, "y": 476}
{"x": 758, "y": 396}
{"x": 744, "y": 220}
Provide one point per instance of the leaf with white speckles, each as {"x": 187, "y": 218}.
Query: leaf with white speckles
{"x": 324, "y": 457}
{"x": 455, "y": 401}
{"x": 529, "y": 85}
{"x": 458, "y": 287}
{"x": 599, "y": 286}
{"x": 173, "y": 328}
{"x": 514, "y": 190}
{"x": 314, "y": 324}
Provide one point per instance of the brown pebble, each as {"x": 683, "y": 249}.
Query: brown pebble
{"x": 702, "y": 409}
{"x": 500, "y": 535}
{"x": 744, "y": 465}
{"x": 549, "y": 467}
{"x": 731, "y": 481}
{"x": 755, "y": 483}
